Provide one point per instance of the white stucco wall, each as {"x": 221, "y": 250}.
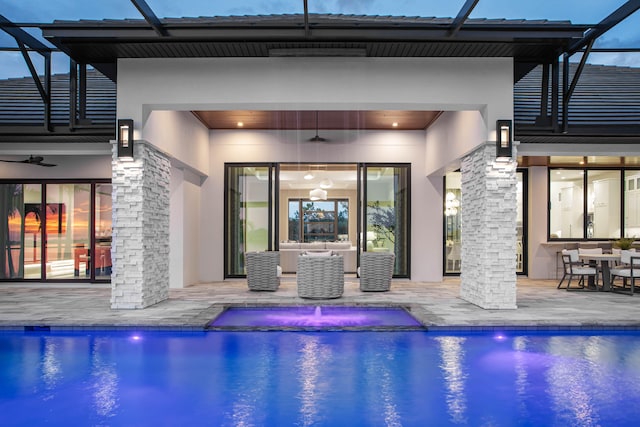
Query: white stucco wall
{"x": 185, "y": 228}
{"x": 182, "y": 136}
{"x": 452, "y": 84}
{"x": 453, "y": 135}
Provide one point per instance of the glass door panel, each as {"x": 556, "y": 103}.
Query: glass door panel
{"x": 20, "y": 231}
{"x": 248, "y": 214}
{"x": 33, "y": 231}
{"x": 386, "y": 214}
{"x": 67, "y": 227}
{"x": 452, "y": 222}
{"x": 103, "y": 207}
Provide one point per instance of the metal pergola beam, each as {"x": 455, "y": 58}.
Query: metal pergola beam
{"x": 149, "y": 16}
{"x": 307, "y": 31}
{"x": 26, "y": 42}
{"x": 605, "y": 25}
{"x": 22, "y": 36}
{"x": 462, "y": 16}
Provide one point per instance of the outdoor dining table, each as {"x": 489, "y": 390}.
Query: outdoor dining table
{"x": 603, "y": 260}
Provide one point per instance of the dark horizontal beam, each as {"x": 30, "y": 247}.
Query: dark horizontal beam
{"x": 137, "y": 33}
{"x": 614, "y": 50}
{"x": 61, "y": 129}
{"x": 17, "y": 49}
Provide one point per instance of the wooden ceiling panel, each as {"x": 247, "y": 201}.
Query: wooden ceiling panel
{"x": 339, "y": 120}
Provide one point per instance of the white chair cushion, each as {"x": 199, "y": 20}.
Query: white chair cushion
{"x": 625, "y": 272}
{"x": 573, "y": 253}
{"x": 589, "y": 250}
{"x": 584, "y": 270}
{"x": 625, "y": 257}
{"x": 318, "y": 253}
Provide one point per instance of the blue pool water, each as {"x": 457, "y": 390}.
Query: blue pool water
{"x": 319, "y": 379}
{"x": 316, "y": 317}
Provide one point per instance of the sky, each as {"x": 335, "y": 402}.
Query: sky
{"x": 626, "y": 34}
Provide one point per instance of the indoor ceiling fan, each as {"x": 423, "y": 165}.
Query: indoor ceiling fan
{"x": 32, "y": 160}
{"x": 317, "y": 138}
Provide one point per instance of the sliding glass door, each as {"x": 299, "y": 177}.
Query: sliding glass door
{"x": 249, "y": 213}
{"x": 385, "y": 197}
{"x": 55, "y": 231}
{"x": 370, "y": 200}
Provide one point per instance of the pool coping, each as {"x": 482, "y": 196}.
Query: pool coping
{"x": 200, "y": 323}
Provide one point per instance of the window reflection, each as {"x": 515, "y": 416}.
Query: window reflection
{"x": 67, "y": 227}
{"x": 67, "y": 218}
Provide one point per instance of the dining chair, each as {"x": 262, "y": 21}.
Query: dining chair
{"x": 628, "y": 271}
{"x": 573, "y": 267}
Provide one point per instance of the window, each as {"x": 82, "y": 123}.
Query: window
{"x": 632, "y": 203}
{"x": 593, "y": 203}
{"x": 566, "y": 201}
{"x": 321, "y": 220}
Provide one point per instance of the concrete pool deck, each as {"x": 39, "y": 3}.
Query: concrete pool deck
{"x": 437, "y": 305}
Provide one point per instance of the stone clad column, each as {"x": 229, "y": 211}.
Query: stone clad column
{"x": 489, "y": 215}
{"x": 140, "y": 243}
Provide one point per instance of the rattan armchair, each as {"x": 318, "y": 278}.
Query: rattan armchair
{"x": 376, "y": 270}
{"x": 320, "y": 277}
{"x": 263, "y": 270}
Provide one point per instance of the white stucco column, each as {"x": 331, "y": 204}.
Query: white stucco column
{"x": 140, "y": 244}
{"x": 489, "y": 215}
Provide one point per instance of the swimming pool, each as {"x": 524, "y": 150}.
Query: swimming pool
{"x": 319, "y": 379}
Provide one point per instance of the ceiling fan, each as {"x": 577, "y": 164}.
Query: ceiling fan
{"x": 32, "y": 160}
{"x": 317, "y": 138}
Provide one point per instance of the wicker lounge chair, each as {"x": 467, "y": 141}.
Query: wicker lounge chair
{"x": 376, "y": 269}
{"x": 320, "y": 276}
{"x": 263, "y": 271}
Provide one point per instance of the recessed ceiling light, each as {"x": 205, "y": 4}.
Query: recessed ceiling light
{"x": 240, "y": 124}
{"x": 394, "y": 124}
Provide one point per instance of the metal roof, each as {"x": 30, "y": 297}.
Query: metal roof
{"x": 22, "y": 110}
{"x": 101, "y": 42}
{"x": 606, "y": 101}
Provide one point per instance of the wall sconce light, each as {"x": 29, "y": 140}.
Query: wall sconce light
{"x": 318, "y": 194}
{"x": 504, "y": 140}
{"x": 125, "y": 139}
